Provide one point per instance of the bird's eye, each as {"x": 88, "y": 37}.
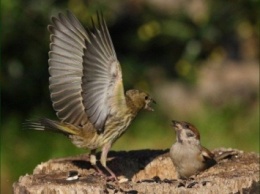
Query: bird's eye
{"x": 187, "y": 126}
{"x": 189, "y": 134}
{"x": 146, "y": 97}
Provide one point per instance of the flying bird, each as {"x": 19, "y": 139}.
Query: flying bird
{"x": 86, "y": 87}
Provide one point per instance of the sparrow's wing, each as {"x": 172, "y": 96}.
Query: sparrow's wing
{"x": 67, "y": 46}
{"x": 208, "y": 157}
{"x": 102, "y": 77}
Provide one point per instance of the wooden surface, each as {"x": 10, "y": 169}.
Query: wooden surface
{"x": 142, "y": 171}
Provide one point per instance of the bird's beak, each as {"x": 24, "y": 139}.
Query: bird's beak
{"x": 148, "y": 105}
{"x": 175, "y": 124}
{"x": 177, "y": 127}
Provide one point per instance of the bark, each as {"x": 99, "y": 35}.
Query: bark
{"x": 142, "y": 171}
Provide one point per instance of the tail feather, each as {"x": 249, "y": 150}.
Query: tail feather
{"x": 45, "y": 124}
{"x": 225, "y": 154}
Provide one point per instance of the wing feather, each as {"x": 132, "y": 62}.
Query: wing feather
{"x": 85, "y": 75}
{"x": 66, "y": 68}
{"x": 102, "y": 79}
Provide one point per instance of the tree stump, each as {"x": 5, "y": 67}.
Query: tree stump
{"x": 142, "y": 171}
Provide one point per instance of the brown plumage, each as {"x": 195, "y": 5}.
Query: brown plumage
{"x": 86, "y": 87}
{"x": 187, "y": 154}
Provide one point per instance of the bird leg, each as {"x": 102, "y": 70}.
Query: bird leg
{"x": 103, "y": 160}
{"x": 93, "y": 161}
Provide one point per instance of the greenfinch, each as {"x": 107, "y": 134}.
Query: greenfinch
{"x": 86, "y": 87}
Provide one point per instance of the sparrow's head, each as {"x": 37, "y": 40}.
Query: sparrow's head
{"x": 140, "y": 100}
{"x": 186, "y": 132}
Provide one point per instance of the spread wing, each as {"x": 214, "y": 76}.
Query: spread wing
{"x": 102, "y": 77}
{"x": 67, "y": 46}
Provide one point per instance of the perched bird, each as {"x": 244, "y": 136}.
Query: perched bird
{"x": 187, "y": 154}
{"x": 86, "y": 87}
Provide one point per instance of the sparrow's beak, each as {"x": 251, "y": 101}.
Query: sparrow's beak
{"x": 177, "y": 128}
{"x": 176, "y": 124}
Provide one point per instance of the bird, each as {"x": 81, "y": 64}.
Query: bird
{"x": 187, "y": 154}
{"x": 86, "y": 87}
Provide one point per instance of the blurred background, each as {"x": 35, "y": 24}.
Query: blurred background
{"x": 198, "y": 59}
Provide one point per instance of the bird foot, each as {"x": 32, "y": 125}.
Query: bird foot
{"x": 111, "y": 178}
{"x": 99, "y": 172}
{"x": 112, "y": 174}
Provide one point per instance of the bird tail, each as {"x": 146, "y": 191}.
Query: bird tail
{"x": 45, "y": 124}
{"x": 226, "y": 154}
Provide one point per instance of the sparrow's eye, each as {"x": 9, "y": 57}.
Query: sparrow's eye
{"x": 146, "y": 97}
{"x": 189, "y": 134}
{"x": 187, "y": 126}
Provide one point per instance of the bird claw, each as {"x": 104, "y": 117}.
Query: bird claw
{"x": 111, "y": 178}
{"x": 99, "y": 172}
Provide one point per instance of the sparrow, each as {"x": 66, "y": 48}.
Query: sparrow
{"x": 187, "y": 154}
{"x": 86, "y": 87}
